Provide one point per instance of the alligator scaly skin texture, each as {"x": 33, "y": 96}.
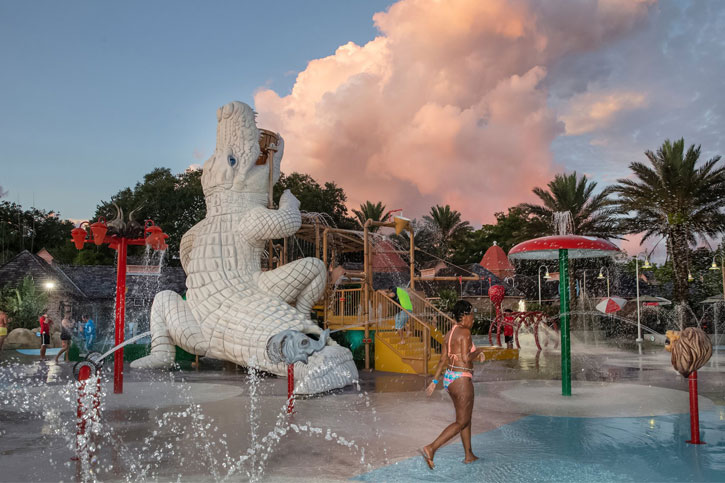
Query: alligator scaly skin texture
{"x": 232, "y": 308}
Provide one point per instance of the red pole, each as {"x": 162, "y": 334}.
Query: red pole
{"x": 83, "y": 375}
{"x": 120, "y": 317}
{"x": 290, "y": 388}
{"x": 694, "y": 411}
{"x": 499, "y": 320}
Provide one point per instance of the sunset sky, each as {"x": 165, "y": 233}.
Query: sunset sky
{"x": 413, "y": 103}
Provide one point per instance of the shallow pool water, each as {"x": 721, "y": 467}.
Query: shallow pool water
{"x": 544, "y": 448}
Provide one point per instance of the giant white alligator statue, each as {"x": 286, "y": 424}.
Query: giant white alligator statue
{"x": 233, "y": 311}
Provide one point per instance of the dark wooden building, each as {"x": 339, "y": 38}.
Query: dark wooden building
{"x": 91, "y": 289}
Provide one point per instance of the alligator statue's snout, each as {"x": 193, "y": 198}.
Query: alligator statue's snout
{"x": 290, "y": 346}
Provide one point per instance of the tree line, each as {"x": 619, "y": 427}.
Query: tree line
{"x": 671, "y": 195}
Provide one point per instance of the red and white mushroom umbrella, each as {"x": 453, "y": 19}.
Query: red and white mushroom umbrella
{"x": 547, "y": 247}
{"x": 610, "y": 305}
{"x": 563, "y": 247}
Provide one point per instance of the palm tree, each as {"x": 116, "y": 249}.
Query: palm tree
{"x": 674, "y": 199}
{"x": 446, "y": 226}
{"x": 591, "y": 214}
{"x": 369, "y": 211}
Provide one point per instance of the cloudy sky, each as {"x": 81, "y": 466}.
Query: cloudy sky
{"x": 416, "y": 102}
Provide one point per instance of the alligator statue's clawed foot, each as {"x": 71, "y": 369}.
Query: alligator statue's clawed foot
{"x": 330, "y": 368}
{"x": 172, "y": 323}
{"x": 157, "y": 360}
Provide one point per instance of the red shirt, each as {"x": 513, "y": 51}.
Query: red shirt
{"x": 508, "y": 326}
{"x": 44, "y": 325}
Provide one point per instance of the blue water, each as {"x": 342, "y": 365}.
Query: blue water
{"x": 36, "y": 352}
{"x": 543, "y": 448}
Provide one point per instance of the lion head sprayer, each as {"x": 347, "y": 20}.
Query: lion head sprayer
{"x": 691, "y": 349}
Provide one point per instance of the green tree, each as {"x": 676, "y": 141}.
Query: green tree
{"x": 447, "y": 228}
{"x": 32, "y": 230}
{"x": 422, "y": 239}
{"x": 447, "y": 298}
{"x": 506, "y": 232}
{"x": 314, "y": 198}
{"x": 174, "y": 202}
{"x": 706, "y": 282}
{"x": 674, "y": 198}
{"x": 370, "y": 211}
{"x": 23, "y": 303}
{"x": 592, "y": 214}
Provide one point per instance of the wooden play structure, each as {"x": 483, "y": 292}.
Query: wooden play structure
{"x": 352, "y": 304}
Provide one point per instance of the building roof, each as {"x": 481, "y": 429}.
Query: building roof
{"x": 496, "y": 262}
{"x": 386, "y": 258}
{"x": 28, "y": 264}
{"x": 99, "y": 281}
{"x": 90, "y": 281}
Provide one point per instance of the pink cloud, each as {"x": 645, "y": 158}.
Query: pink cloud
{"x": 591, "y": 111}
{"x": 654, "y": 248}
{"x": 447, "y": 105}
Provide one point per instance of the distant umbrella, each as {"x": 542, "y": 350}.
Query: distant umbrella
{"x": 715, "y": 299}
{"x": 653, "y": 301}
{"x": 610, "y": 305}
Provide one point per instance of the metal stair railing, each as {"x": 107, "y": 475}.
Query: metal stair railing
{"x": 343, "y": 308}
{"x": 439, "y": 321}
{"x": 384, "y": 312}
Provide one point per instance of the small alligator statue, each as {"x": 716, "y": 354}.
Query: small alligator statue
{"x": 233, "y": 310}
{"x": 132, "y": 229}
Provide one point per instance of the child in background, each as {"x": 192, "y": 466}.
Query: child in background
{"x": 508, "y": 328}
{"x": 89, "y": 332}
{"x": 401, "y": 318}
{"x": 45, "y": 323}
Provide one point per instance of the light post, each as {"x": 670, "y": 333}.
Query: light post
{"x": 601, "y": 277}
{"x": 714, "y": 308}
{"x": 636, "y": 265}
{"x": 546, "y": 277}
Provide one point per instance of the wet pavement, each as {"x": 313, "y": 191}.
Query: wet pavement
{"x": 626, "y": 420}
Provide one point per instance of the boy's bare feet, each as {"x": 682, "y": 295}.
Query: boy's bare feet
{"x": 470, "y": 459}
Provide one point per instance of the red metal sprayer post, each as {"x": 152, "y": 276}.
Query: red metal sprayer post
{"x": 290, "y": 388}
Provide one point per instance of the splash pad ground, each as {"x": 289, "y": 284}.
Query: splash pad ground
{"x": 626, "y": 420}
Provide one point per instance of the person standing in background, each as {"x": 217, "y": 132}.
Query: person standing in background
{"x": 89, "y": 332}
{"x": 45, "y": 323}
{"x": 3, "y": 328}
{"x": 66, "y": 334}
{"x": 508, "y": 328}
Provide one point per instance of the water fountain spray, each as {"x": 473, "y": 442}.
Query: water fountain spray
{"x": 119, "y": 234}
{"x": 563, "y": 247}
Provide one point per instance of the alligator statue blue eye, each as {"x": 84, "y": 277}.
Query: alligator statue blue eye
{"x": 232, "y": 161}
